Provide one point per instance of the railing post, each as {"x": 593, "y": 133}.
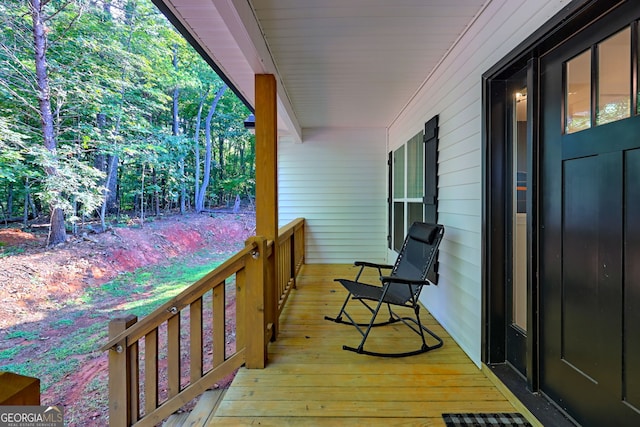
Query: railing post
{"x": 18, "y": 389}
{"x": 120, "y": 375}
{"x": 255, "y": 304}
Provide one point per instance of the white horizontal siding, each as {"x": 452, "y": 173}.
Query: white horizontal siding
{"x": 454, "y": 91}
{"x": 336, "y": 180}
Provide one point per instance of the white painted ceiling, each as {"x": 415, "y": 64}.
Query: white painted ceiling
{"x": 339, "y": 63}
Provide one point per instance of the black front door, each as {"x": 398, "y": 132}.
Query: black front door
{"x": 590, "y": 223}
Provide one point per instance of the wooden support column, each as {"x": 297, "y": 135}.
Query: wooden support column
{"x": 266, "y": 114}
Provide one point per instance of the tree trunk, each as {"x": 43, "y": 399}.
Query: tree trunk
{"x": 207, "y": 155}
{"x": 110, "y": 201}
{"x": 27, "y": 204}
{"x": 10, "y": 199}
{"x": 221, "y": 168}
{"x": 175, "y": 127}
{"x": 196, "y": 149}
{"x": 243, "y": 169}
{"x": 221, "y": 171}
{"x": 57, "y": 232}
{"x": 156, "y": 193}
{"x": 57, "y": 226}
{"x": 106, "y": 8}
{"x": 142, "y": 197}
{"x": 113, "y": 205}
{"x": 5, "y": 217}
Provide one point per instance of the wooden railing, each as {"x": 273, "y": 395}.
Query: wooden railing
{"x": 289, "y": 259}
{"x": 186, "y": 346}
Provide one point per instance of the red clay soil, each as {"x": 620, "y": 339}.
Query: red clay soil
{"x": 38, "y": 282}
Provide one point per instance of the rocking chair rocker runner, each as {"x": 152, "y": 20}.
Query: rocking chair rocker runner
{"x": 400, "y": 288}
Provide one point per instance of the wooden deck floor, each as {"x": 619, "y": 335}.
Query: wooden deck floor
{"x": 311, "y": 381}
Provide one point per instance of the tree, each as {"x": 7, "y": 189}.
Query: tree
{"x": 57, "y": 232}
{"x": 200, "y": 194}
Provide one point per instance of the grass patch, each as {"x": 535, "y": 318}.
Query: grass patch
{"x": 9, "y": 250}
{"x": 26, "y": 335}
{"x": 61, "y": 323}
{"x": 10, "y": 353}
{"x": 164, "y": 283}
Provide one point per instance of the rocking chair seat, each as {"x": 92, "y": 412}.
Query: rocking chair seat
{"x": 373, "y": 293}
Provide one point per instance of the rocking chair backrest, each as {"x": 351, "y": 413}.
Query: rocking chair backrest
{"x": 415, "y": 258}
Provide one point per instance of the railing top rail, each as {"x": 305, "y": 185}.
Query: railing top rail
{"x": 184, "y": 298}
{"x": 286, "y": 230}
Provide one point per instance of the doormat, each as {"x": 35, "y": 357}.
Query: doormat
{"x": 481, "y": 420}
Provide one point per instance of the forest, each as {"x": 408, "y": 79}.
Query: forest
{"x": 107, "y": 112}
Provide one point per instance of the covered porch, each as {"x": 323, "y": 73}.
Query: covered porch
{"x": 310, "y": 381}
{"x": 293, "y": 370}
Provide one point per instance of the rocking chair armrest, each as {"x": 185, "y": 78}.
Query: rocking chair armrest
{"x": 372, "y": 265}
{"x": 387, "y": 279}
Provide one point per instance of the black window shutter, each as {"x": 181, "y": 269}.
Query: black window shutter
{"x": 431, "y": 170}
{"x": 390, "y": 200}
{"x": 431, "y": 181}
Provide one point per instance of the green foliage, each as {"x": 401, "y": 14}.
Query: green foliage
{"x": 26, "y": 335}
{"x": 9, "y": 353}
{"x": 112, "y": 79}
{"x": 9, "y": 250}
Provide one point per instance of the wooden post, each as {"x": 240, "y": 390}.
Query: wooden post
{"x": 255, "y": 322}
{"x": 120, "y": 375}
{"x": 267, "y": 182}
{"x": 19, "y": 390}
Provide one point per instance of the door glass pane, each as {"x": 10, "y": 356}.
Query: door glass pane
{"x": 578, "y": 93}
{"x": 398, "y": 173}
{"x": 415, "y": 160}
{"x": 614, "y": 78}
{"x": 414, "y": 213}
{"x": 398, "y": 225}
{"x": 637, "y": 110}
{"x": 519, "y": 210}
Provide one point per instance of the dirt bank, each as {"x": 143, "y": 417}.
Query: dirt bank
{"x": 42, "y": 292}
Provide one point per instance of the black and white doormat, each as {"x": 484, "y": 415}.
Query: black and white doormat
{"x": 481, "y": 420}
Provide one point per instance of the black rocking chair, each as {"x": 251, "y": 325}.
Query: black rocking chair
{"x": 400, "y": 288}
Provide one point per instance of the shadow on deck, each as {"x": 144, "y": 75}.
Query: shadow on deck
{"x": 311, "y": 381}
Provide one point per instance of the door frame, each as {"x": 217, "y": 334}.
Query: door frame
{"x": 575, "y": 16}
{"x": 497, "y": 194}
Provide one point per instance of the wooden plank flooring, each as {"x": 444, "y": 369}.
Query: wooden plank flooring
{"x": 311, "y": 381}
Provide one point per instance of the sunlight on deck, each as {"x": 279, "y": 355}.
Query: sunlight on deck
{"x": 311, "y": 381}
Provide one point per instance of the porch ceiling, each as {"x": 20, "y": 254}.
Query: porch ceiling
{"x": 339, "y": 63}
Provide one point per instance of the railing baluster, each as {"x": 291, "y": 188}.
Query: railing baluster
{"x": 218, "y": 325}
{"x": 241, "y": 285}
{"x": 151, "y": 371}
{"x": 292, "y": 259}
{"x": 195, "y": 335}
{"x": 173, "y": 355}
{"x": 134, "y": 383}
